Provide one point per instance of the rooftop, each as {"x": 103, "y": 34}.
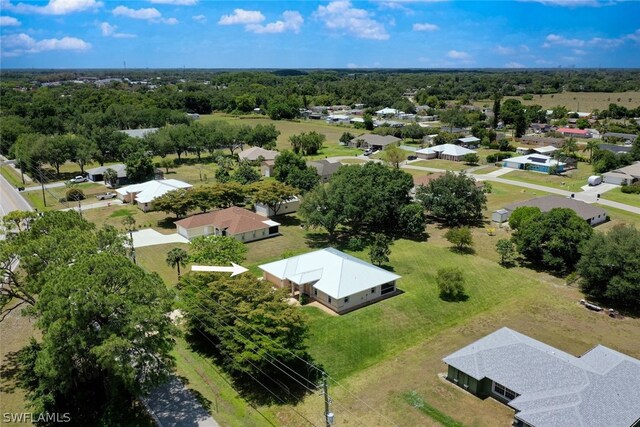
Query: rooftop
{"x": 234, "y": 219}
{"x": 139, "y": 133}
{"x": 576, "y": 131}
{"x": 336, "y": 274}
{"x": 556, "y": 388}
{"x": 252, "y": 154}
{"x": 546, "y": 203}
{"x": 373, "y": 139}
{"x": 120, "y": 169}
{"x": 631, "y": 170}
{"x": 536, "y": 159}
{"x": 446, "y": 149}
{"x": 324, "y": 167}
{"x": 150, "y": 190}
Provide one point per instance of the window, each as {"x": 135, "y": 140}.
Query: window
{"x": 387, "y": 288}
{"x": 315, "y": 292}
{"x": 502, "y": 391}
{"x": 373, "y": 290}
{"x": 346, "y": 300}
{"x": 329, "y": 299}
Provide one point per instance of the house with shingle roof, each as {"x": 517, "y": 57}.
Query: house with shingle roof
{"x": 546, "y": 386}
{"x": 627, "y": 175}
{"x": 371, "y": 140}
{"x": 324, "y": 168}
{"x": 256, "y": 153}
{"x": 339, "y": 281}
{"x": 594, "y": 215}
{"x": 244, "y": 225}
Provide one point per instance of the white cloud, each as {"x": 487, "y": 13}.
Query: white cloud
{"x": 596, "y": 42}
{"x": 579, "y": 52}
{"x": 175, "y": 2}
{"x": 514, "y": 65}
{"x": 554, "y": 39}
{"x": 9, "y": 21}
{"x": 150, "y": 14}
{"x": 109, "y": 30}
{"x": 504, "y": 50}
{"x": 456, "y": 54}
{"x": 291, "y": 21}
{"x": 425, "y": 27}
{"x": 573, "y": 3}
{"x": 200, "y": 19}
{"x": 169, "y": 21}
{"x": 341, "y": 17}
{"x": 54, "y": 7}
{"x": 242, "y": 17}
{"x": 19, "y": 44}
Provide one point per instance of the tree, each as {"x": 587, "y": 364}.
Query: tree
{"x": 380, "y": 250}
{"x": 394, "y": 155}
{"x": 320, "y": 208}
{"x": 83, "y": 151}
{"x": 570, "y": 147}
{"x": 166, "y": 164}
{"x": 307, "y": 143}
{"x": 106, "y": 339}
{"x": 506, "y": 249}
{"x": 453, "y": 198}
{"x": 471, "y": 158}
{"x": 264, "y": 136}
{"x": 412, "y": 219}
{"x": 74, "y": 195}
{"x": 461, "y": 237}
{"x": 177, "y": 258}
{"x": 553, "y": 239}
{"x": 450, "y": 281}
{"x": 139, "y": 167}
{"x": 496, "y": 109}
{"x": 522, "y": 214}
{"x": 177, "y": 202}
{"x": 610, "y": 266}
{"x": 346, "y": 137}
{"x": 110, "y": 178}
{"x": 582, "y": 123}
{"x": 255, "y": 331}
{"x": 368, "y": 122}
{"x": 285, "y": 163}
{"x": 246, "y": 174}
{"x": 272, "y": 193}
{"x": 454, "y": 117}
{"x": 217, "y": 250}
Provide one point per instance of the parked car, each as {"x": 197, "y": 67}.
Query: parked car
{"x": 412, "y": 157}
{"x": 106, "y": 196}
{"x": 368, "y": 152}
{"x": 78, "y": 179}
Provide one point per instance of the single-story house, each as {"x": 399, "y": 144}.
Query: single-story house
{"x": 625, "y": 136}
{"x": 626, "y": 175}
{"x": 145, "y": 193}
{"x": 577, "y": 133}
{"x": 615, "y": 149}
{"x": 254, "y": 153}
{"x": 423, "y": 180}
{"x": 266, "y": 168}
{"x": 289, "y": 206}
{"x": 451, "y": 152}
{"x": 594, "y": 215}
{"x": 324, "y": 168}
{"x": 139, "y": 133}
{"x": 541, "y": 127}
{"x": 534, "y": 162}
{"x": 469, "y": 142}
{"x": 338, "y": 119}
{"x": 387, "y": 112}
{"x": 370, "y": 140}
{"x": 97, "y": 174}
{"x": 542, "y": 140}
{"x": 546, "y": 386}
{"x": 548, "y": 149}
{"x": 337, "y": 280}
{"x": 244, "y": 225}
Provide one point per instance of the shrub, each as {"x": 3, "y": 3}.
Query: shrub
{"x": 450, "y": 282}
{"x": 74, "y": 194}
{"x": 497, "y": 157}
{"x": 527, "y": 97}
{"x": 631, "y": 189}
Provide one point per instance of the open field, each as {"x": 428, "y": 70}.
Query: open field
{"x": 503, "y": 194}
{"x": 617, "y": 195}
{"x": 577, "y": 101}
{"x": 442, "y": 164}
{"x": 571, "y": 180}
{"x": 53, "y": 196}
{"x": 113, "y": 215}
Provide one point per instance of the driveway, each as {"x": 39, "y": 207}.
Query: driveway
{"x": 100, "y": 204}
{"x": 172, "y": 405}
{"x": 150, "y": 237}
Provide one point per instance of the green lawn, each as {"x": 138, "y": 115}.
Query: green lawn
{"x": 11, "y": 175}
{"x": 441, "y": 164}
{"x": 504, "y": 194}
{"x": 617, "y": 195}
{"x": 53, "y": 196}
{"x": 571, "y": 181}
{"x": 486, "y": 170}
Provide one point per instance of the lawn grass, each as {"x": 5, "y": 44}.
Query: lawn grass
{"x": 11, "y": 175}
{"x": 114, "y": 214}
{"x": 577, "y": 101}
{"x": 504, "y": 194}
{"x": 442, "y": 164}
{"x": 571, "y": 180}
{"x": 414, "y": 399}
{"x": 617, "y": 195}
{"x": 617, "y": 216}
{"x": 486, "y": 170}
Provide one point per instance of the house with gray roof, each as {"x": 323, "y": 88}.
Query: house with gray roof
{"x": 324, "y": 168}
{"x": 615, "y": 149}
{"x": 370, "y": 140}
{"x": 594, "y": 215}
{"x": 546, "y": 386}
{"x": 627, "y": 175}
{"x": 617, "y": 136}
{"x": 97, "y": 174}
{"x": 338, "y": 281}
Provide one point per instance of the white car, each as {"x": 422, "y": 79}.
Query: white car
{"x": 106, "y": 196}
{"x": 78, "y": 179}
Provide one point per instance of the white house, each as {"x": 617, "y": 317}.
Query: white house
{"x": 145, "y": 193}
{"x": 626, "y": 175}
{"x": 286, "y": 207}
{"x": 333, "y": 278}
{"x": 388, "y": 112}
{"x": 451, "y": 152}
{"x": 534, "y": 162}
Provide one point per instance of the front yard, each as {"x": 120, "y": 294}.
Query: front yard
{"x": 572, "y": 180}
{"x": 617, "y": 195}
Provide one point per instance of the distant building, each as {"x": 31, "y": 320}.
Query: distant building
{"x": 615, "y": 149}
{"x": 534, "y": 162}
{"x": 373, "y": 141}
{"x": 139, "y": 133}
{"x": 255, "y": 153}
{"x": 577, "y": 133}
{"x": 594, "y": 215}
{"x": 627, "y": 175}
{"x": 388, "y": 112}
{"x": 97, "y": 174}
{"x": 630, "y": 137}
{"x": 266, "y": 168}
{"x": 288, "y": 206}
{"x": 541, "y": 140}
{"x": 144, "y": 194}
{"x": 451, "y": 152}
{"x": 469, "y": 142}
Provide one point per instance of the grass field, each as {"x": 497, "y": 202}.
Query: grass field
{"x": 571, "y": 180}
{"x": 53, "y": 196}
{"x": 617, "y": 195}
{"x": 11, "y": 175}
{"x": 486, "y": 170}
{"x": 577, "y": 101}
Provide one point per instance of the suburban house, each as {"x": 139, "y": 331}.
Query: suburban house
{"x": 547, "y": 149}
{"x": 590, "y": 213}
{"x": 542, "y": 140}
{"x": 615, "y": 149}
{"x": 629, "y": 137}
{"x": 266, "y": 168}
{"x": 541, "y": 127}
{"x": 577, "y": 133}
{"x": 451, "y": 152}
{"x": 283, "y": 208}
{"x": 388, "y": 112}
{"x": 97, "y": 174}
{"x": 324, "y": 168}
{"x": 423, "y": 180}
{"x": 244, "y": 225}
{"x": 145, "y": 193}
{"x": 469, "y": 142}
{"x": 370, "y": 140}
{"x": 139, "y": 133}
{"x": 546, "y": 386}
{"x": 338, "y": 119}
{"x": 337, "y": 280}
{"x": 534, "y": 162}
{"x": 626, "y": 175}
{"x": 254, "y": 154}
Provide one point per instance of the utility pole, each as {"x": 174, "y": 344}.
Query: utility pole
{"x": 328, "y": 416}
{"x": 44, "y": 199}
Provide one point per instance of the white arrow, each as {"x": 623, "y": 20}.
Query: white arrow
{"x": 235, "y": 269}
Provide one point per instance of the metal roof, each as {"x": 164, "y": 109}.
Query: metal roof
{"x": 335, "y": 273}
{"x": 446, "y": 149}
{"x": 556, "y": 388}
{"x": 148, "y": 191}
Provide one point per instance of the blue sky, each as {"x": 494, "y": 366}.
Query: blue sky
{"x": 311, "y": 34}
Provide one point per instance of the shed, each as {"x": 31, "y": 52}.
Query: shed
{"x": 500, "y": 216}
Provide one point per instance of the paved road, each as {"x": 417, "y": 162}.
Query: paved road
{"x": 10, "y": 199}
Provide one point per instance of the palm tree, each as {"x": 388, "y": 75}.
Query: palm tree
{"x": 177, "y": 257}
{"x": 570, "y": 147}
{"x": 591, "y": 145}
